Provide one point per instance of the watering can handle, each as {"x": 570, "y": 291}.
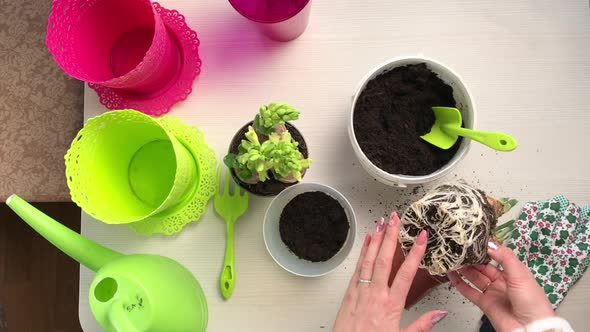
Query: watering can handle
{"x": 227, "y": 280}
{"x": 118, "y": 318}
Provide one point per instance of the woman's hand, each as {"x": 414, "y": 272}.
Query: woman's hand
{"x": 510, "y": 298}
{"x": 369, "y": 304}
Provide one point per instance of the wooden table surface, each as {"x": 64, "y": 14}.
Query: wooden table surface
{"x": 526, "y": 63}
{"x": 38, "y": 283}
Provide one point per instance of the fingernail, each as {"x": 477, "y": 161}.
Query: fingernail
{"x": 438, "y": 317}
{"x": 422, "y": 237}
{"x": 380, "y": 225}
{"x": 393, "y": 218}
{"x": 367, "y": 240}
{"x": 492, "y": 245}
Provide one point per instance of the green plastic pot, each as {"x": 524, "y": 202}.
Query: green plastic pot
{"x": 124, "y": 166}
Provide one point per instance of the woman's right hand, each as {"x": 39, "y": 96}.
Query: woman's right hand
{"x": 510, "y": 298}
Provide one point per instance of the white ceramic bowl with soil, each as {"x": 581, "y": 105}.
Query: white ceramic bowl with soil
{"x": 272, "y": 186}
{"x": 274, "y": 230}
{"x": 463, "y": 101}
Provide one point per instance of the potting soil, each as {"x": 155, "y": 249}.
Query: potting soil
{"x": 314, "y": 226}
{"x": 391, "y": 114}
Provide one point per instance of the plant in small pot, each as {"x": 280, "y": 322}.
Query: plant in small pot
{"x": 460, "y": 220}
{"x": 268, "y": 154}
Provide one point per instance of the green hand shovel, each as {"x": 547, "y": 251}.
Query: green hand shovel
{"x": 448, "y": 127}
{"x": 230, "y": 207}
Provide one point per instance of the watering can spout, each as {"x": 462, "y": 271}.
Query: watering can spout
{"x": 83, "y": 250}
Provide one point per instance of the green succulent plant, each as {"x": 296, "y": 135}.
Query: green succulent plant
{"x": 284, "y": 156}
{"x": 250, "y": 160}
{"x": 278, "y": 154}
{"x": 273, "y": 115}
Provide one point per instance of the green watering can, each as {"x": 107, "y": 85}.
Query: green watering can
{"x": 129, "y": 292}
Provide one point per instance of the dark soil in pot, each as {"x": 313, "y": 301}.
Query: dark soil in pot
{"x": 393, "y": 111}
{"x": 314, "y": 226}
{"x": 270, "y": 187}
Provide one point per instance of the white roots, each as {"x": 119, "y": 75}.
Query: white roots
{"x": 459, "y": 222}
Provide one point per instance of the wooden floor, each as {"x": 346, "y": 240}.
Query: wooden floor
{"x": 38, "y": 283}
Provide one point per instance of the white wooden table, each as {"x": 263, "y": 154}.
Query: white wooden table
{"x": 527, "y": 63}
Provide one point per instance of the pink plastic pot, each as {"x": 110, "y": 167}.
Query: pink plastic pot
{"x": 114, "y": 43}
{"x": 133, "y": 53}
{"x": 281, "y": 20}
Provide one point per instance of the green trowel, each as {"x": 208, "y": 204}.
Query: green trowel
{"x": 448, "y": 127}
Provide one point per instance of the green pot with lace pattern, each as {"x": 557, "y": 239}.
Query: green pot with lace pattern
{"x": 126, "y": 167}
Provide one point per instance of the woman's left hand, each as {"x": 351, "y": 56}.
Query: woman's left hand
{"x": 369, "y": 304}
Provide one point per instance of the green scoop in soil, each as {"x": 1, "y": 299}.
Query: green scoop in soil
{"x": 447, "y": 129}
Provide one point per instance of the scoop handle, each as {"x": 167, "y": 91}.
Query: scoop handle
{"x": 494, "y": 139}
{"x": 227, "y": 280}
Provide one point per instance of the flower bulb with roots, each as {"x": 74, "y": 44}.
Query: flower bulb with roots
{"x": 460, "y": 221}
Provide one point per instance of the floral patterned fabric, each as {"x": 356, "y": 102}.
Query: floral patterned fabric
{"x": 41, "y": 108}
{"x": 552, "y": 237}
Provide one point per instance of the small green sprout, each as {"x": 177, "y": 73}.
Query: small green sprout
{"x": 270, "y": 117}
{"x": 250, "y": 161}
{"x": 284, "y": 156}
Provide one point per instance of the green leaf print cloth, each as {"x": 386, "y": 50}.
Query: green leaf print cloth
{"x": 552, "y": 237}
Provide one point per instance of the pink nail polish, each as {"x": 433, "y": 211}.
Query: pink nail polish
{"x": 492, "y": 245}
{"x": 393, "y": 218}
{"x": 422, "y": 237}
{"x": 438, "y": 317}
{"x": 381, "y": 225}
